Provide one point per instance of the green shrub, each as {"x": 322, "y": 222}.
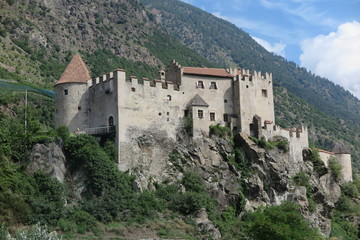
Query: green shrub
{"x": 193, "y": 182}
{"x": 190, "y": 202}
{"x": 335, "y": 168}
{"x": 302, "y": 179}
{"x": 349, "y": 189}
{"x": 63, "y": 133}
{"x": 3, "y": 32}
{"x": 219, "y": 131}
{"x": 48, "y": 201}
{"x": 318, "y": 164}
{"x": 279, "y": 222}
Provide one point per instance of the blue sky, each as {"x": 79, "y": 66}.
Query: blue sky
{"x": 321, "y": 35}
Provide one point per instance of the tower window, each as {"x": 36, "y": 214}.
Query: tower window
{"x": 226, "y": 117}
{"x": 200, "y": 114}
{"x": 66, "y": 91}
{"x": 225, "y": 100}
{"x": 168, "y": 98}
{"x": 212, "y": 116}
{"x": 200, "y": 84}
{"x": 79, "y": 108}
{"x": 213, "y": 85}
{"x": 264, "y": 92}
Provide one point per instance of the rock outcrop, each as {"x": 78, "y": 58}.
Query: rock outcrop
{"x": 270, "y": 181}
{"x": 49, "y": 159}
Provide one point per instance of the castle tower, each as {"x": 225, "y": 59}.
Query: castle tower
{"x": 71, "y": 96}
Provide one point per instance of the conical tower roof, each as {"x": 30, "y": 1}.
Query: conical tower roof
{"x": 75, "y": 72}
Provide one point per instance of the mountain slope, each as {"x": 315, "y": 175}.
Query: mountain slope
{"x": 39, "y": 38}
{"x": 224, "y": 43}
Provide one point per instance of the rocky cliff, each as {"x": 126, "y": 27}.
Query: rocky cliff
{"x": 236, "y": 173}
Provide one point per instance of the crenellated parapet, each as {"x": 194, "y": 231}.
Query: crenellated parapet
{"x": 246, "y": 75}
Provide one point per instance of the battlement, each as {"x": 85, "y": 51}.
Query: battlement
{"x": 270, "y": 130}
{"x": 245, "y": 74}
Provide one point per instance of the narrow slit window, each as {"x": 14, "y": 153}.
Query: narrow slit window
{"x": 226, "y": 117}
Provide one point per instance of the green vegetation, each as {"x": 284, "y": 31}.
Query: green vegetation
{"x": 318, "y": 164}
{"x": 104, "y": 61}
{"x": 335, "y": 168}
{"x": 219, "y": 131}
{"x": 275, "y": 222}
{"x": 279, "y": 142}
{"x": 303, "y": 179}
{"x": 167, "y": 49}
{"x": 347, "y": 208}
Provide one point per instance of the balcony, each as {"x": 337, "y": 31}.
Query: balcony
{"x": 98, "y": 131}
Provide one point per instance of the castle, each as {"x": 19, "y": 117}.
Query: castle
{"x": 235, "y": 98}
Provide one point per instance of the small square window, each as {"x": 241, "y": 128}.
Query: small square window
{"x": 200, "y": 84}
{"x": 213, "y": 85}
{"x": 212, "y": 116}
{"x": 159, "y": 114}
{"x": 247, "y": 86}
{"x": 264, "y": 92}
{"x": 133, "y": 89}
{"x": 66, "y": 91}
{"x": 79, "y": 108}
{"x": 200, "y": 114}
{"x": 225, "y": 100}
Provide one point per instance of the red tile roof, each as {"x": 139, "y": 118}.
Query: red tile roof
{"x": 75, "y": 72}
{"x": 216, "y": 72}
{"x": 320, "y": 150}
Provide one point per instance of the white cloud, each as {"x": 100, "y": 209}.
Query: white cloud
{"x": 305, "y": 10}
{"x": 336, "y": 56}
{"x": 277, "y": 48}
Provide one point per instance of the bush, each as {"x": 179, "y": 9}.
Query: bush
{"x": 193, "y": 182}
{"x": 349, "y": 189}
{"x": 279, "y": 222}
{"x": 63, "y": 133}
{"x": 190, "y": 202}
{"x": 219, "y": 131}
{"x": 318, "y": 164}
{"x": 335, "y": 168}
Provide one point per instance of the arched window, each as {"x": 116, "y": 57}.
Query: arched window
{"x": 168, "y": 98}
{"x": 111, "y": 121}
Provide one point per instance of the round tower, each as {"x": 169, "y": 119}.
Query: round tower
{"x": 71, "y": 96}
{"x": 345, "y": 162}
